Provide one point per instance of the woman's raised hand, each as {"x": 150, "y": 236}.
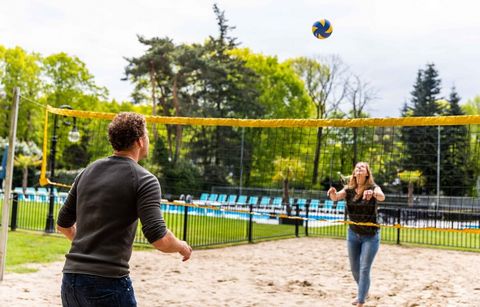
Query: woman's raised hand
{"x": 331, "y": 191}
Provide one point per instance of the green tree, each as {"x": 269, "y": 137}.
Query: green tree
{"x": 359, "y": 93}
{"x": 472, "y": 107}
{"x": 67, "y": 80}
{"x": 26, "y": 162}
{"x": 281, "y": 95}
{"x": 421, "y": 142}
{"x": 455, "y": 167}
{"x": 152, "y": 74}
{"x": 281, "y": 91}
{"x": 27, "y": 156}
{"x": 182, "y": 178}
{"x": 326, "y": 84}
{"x": 197, "y": 80}
{"x": 21, "y": 69}
{"x": 412, "y": 178}
{"x": 227, "y": 89}
{"x": 170, "y": 73}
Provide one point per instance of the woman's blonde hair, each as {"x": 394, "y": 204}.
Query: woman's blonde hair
{"x": 370, "y": 182}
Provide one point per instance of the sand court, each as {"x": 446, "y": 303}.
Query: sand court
{"x": 293, "y": 272}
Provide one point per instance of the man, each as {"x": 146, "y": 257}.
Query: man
{"x": 100, "y": 217}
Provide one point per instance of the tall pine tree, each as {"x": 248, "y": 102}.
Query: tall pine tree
{"x": 421, "y": 142}
{"x": 227, "y": 90}
{"x": 455, "y": 177}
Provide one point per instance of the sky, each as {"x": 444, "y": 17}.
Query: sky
{"x": 384, "y": 42}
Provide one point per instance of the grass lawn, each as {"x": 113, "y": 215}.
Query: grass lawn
{"x": 24, "y": 247}
{"x": 27, "y": 247}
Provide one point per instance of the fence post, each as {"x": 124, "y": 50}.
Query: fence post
{"x": 250, "y": 223}
{"x": 307, "y": 207}
{"x": 398, "y": 223}
{"x": 13, "y": 223}
{"x": 185, "y": 222}
{"x": 297, "y": 221}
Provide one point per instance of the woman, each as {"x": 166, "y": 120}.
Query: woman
{"x": 363, "y": 241}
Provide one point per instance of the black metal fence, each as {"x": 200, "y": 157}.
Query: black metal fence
{"x": 451, "y": 225}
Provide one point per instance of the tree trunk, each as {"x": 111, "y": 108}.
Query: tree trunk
{"x": 410, "y": 194}
{"x": 25, "y": 179}
{"x": 169, "y": 127}
{"x": 154, "y": 100}
{"x": 29, "y": 125}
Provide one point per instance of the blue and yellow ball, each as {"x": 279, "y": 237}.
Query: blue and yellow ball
{"x": 322, "y": 29}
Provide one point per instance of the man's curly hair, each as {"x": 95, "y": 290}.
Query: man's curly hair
{"x": 125, "y": 129}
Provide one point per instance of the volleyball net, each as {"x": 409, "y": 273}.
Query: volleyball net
{"x": 431, "y": 155}
{"x": 284, "y": 167}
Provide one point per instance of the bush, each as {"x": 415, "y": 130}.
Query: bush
{"x": 183, "y": 178}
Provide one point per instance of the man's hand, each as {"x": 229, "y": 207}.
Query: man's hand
{"x": 186, "y": 251}
{"x": 68, "y": 232}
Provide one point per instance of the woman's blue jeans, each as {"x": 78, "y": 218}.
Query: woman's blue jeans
{"x": 89, "y": 290}
{"x": 361, "y": 252}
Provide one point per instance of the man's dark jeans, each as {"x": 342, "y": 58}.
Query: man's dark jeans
{"x": 89, "y": 290}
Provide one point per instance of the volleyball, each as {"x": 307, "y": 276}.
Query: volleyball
{"x": 322, "y": 29}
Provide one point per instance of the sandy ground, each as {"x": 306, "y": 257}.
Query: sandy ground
{"x": 294, "y": 272}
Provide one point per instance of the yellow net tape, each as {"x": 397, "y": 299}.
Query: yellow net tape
{"x": 287, "y": 123}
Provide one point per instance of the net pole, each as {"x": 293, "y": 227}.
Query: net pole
{"x": 8, "y": 180}
{"x": 438, "y": 175}
{"x": 241, "y": 162}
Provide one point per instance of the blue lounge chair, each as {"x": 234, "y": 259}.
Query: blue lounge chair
{"x": 241, "y": 201}
{"x": 202, "y": 200}
{"x": 277, "y": 202}
{"x": 341, "y": 206}
{"x": 42, "y": 194}
{"x": 30, "y": 194}
{"x": 61, "y": 197}
{"x": 265, "y": 202}
{"x": 314, "y": 204}
{"x": 19, "y": 191}
{"x": 231, "y": 200}
{"x": 301, "y": 202}
{"x": 253, "y": 200}
{"x": 328, "y": 206}
{"x": 212, "y": 198}
{"x": 222, "y": 199}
